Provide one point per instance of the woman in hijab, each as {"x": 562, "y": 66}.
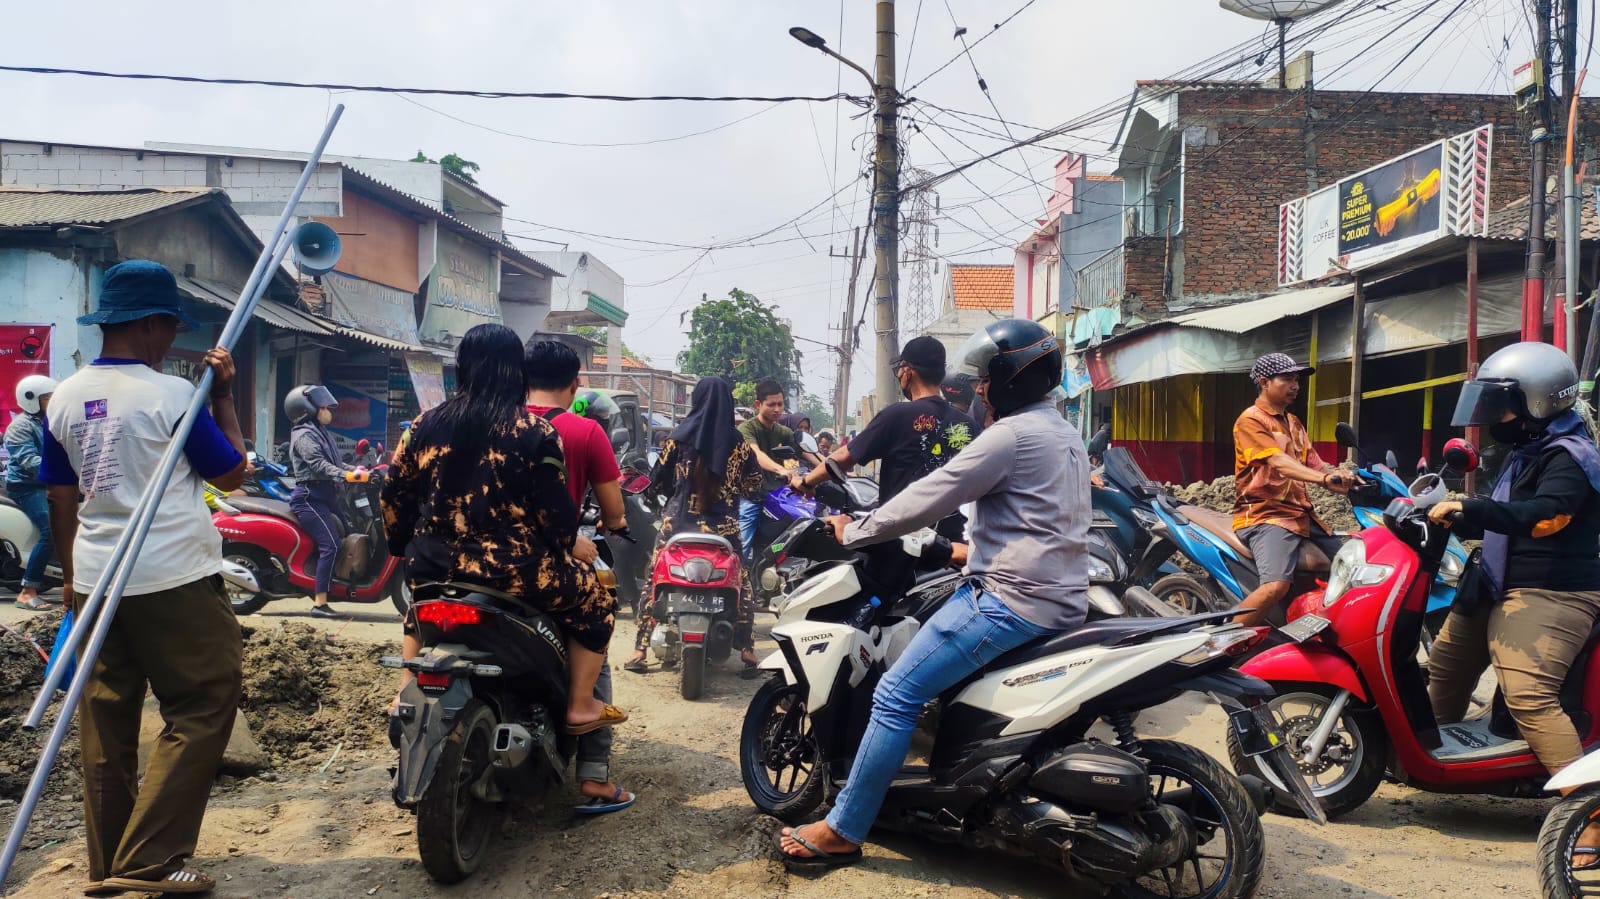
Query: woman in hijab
{"x": 479, "y": 496}
{"x": 705, "y": 468}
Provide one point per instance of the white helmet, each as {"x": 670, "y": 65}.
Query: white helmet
{"x": 31, "y": 389}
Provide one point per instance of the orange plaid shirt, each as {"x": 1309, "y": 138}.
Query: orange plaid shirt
{"x": 1262, "y": 495}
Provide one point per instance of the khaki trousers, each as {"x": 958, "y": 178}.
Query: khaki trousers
{"x": 1531, "y": 638}
{"x": 185, "y": 644}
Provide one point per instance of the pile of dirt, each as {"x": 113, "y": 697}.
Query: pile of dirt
{"x": 306, "y": 693}
{"x": 1333, "y": 509}
{"x": 21, "y": 673}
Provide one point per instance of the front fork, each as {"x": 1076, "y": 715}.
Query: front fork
{"x": 1259, "y": 737}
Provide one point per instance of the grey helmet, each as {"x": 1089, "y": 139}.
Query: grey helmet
{"x": 1534, "y": 380}
{"x": 304, "y": 401}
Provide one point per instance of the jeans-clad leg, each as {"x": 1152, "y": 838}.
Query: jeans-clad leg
{"x": 749, "y": 515}
{"x": 34, "y": 505}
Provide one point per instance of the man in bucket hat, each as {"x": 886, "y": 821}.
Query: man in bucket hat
{"x": 174, "y": 631}
{"x": 1273, "y": 461}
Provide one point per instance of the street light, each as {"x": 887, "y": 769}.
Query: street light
{"x": 815, "y": 41}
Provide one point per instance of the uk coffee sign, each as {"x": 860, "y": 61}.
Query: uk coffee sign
{"x": 1437, "y": 191}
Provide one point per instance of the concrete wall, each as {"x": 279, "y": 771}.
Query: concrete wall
{"x": 38, "y": 287}
{"x": 381, "y": 243}
{"x": 584, "y": 273}
{"x": 954, "y": 327}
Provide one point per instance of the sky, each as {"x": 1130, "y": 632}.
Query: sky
{"x": 789, "y": 172}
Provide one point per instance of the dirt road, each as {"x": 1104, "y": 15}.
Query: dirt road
{"x": 321, "y": 828}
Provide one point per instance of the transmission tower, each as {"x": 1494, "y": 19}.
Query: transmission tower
{"x": 921, "y": 209}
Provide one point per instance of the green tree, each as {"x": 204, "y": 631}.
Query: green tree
{"x": 598, "y": 335}
{"x": 455, "y": 165}
{"x": 744, "y": 393}
{"x": 742, "y": 339}
{"x": 814, "y": 408}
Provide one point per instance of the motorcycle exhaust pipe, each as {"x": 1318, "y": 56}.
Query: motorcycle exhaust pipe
{"x": 722, "y": 632}
{"x": 512, "y": 745}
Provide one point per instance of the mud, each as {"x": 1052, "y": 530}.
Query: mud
{"x": 1333, "y": 509}
{"x": 306, "y": 692}
{"x": 21, "y": 673}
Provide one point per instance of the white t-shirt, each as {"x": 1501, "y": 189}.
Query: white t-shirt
{"x": 112, "y": 423}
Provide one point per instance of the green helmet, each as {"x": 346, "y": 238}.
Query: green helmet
{"x": 593, "y": 404}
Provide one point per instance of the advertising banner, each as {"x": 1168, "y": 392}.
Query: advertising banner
{"x": 463, "y": 291}
{"x": 1392, "y": 202}
{"x": 24, "y": 351}
{"x": 363, "y": 409}
{"x": 427, "y": 378}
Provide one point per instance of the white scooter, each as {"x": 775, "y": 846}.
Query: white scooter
{"x": 1565, "y": 869}
{"x": 17, "y": 539}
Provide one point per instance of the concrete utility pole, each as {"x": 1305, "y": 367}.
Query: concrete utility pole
{"x": 847, "y": 333}
{"x": 1533, "y": 276}
{"x": 886, "y": 210}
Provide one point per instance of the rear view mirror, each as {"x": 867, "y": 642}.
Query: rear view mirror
{"x": 1391, "y": 460}
{"x": 836, "y": 471}
{"x": 1461, "y": 455}
{"x": 832, "y": 495}
{"x": 620, "y": 438}
{"x": 1345, "y": 434}
{"x": 1099, "y": 442}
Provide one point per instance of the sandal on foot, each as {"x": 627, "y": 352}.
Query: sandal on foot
{"x": 637, "y": 666}
{"x": 610, "y": 716}
{"x": 600, "y": 805}
{"x": 182, "y": 881}
{"x": 819, "y": 859}
{"x": 99, "y": 888}
{"x": 34, "y": 604}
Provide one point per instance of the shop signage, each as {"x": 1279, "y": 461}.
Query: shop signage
{"x": 371, "y": 307}
{"x": 363, "y": 409}
{"x": 463, "y": 291}
{"x": 427, "y": 378}
{"x": 1439, "y": 190}
{"x": 24, "y": 351}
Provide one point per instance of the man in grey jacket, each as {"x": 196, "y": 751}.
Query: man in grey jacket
{"x": 1027, "y": 572}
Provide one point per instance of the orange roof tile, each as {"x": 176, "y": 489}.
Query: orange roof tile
{"x": 981, "y": 286}
{"x": 627, "y": 362}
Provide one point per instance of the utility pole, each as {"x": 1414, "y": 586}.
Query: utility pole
{"x": 1533, "y": 275}
{"x": 847, "y": 332}
{"x": 886, "y": 209}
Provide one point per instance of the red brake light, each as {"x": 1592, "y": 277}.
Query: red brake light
{"x": 426, "y": 679}
{"x": 447, "y": 616}
{"x": 1244, "y": 646}
{"x": 694, "y": 638}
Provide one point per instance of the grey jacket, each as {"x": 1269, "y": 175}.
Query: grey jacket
{"x": 1028, "y": 478}
{"x": 313, "y": 456}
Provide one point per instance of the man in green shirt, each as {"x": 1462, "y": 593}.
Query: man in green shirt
{"x": 764, "y": 434}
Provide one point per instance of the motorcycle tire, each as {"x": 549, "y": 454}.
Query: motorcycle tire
{"x": 1559, "y": 837}
{"x": 777, "y": 713}
{"x": 693, "y": 680}
{"x": 400, "y": 591}
{"x": 255, "y": 560}
{"x": 1217, "y": 799}
{"x": 453, "y": 826}
{"x": 1348, "y": 793}
{"x": 1188, "y": 594}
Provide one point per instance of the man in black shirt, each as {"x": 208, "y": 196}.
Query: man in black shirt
{"x": 912, "y": 438}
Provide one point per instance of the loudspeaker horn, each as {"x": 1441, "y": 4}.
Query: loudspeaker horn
{"x": 316, "y": 248}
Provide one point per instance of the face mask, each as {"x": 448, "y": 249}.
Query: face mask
{"x": 1512, "y": 432}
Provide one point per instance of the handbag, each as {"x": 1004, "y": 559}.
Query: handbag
{"x": 1475, "y": 591}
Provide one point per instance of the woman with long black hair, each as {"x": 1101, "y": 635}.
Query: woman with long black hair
{"x": 479, "y": 497}
{"x": 705, "y": 468}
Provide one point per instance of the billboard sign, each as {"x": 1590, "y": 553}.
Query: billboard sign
{"x": 1437, "y": 191}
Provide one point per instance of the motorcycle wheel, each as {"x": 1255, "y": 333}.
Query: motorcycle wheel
{"x": 254, "y": 559}
{"x": 693, "y": 681}
{"x": 1359, "y": 737}
{"x": 12, "y": 566}
{"x": 1188, "y": 594}
{"x": 1558, "y": 878}
{"x": 1221, "y": 812}
{"x": 453, "y": 823}
{"x": 779, "y": 760}
{"x": 400, "y": 592}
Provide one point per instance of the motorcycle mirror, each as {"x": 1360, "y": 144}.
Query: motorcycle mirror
{"x": 1460, "y": 455}
{"x": 835, "y": 471}
{"x": 1422, "y": 466}
{"x": 1099, "y": 442}
{"x": 832, "y": 495}
{"x": 1345, "y": 434}
{"x": 1391, "y": 460}
{"x": 620, "y": 440}
{"x": 808, "y": 443}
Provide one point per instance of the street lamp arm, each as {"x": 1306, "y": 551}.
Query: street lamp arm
{"x": 864, "y": 73}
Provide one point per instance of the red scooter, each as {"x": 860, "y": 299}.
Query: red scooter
{"x": 1353, "y": 699}
{"x": 694, "y": 586}
{"x": 264, "y": 536}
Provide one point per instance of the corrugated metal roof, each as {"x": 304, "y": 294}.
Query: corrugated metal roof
{"x": 290, "y": 318}
{"x": 1241, "y": 318}
{"x": 30, "y": 208}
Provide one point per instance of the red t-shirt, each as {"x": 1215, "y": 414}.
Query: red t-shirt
{"x": 587, "y": 447}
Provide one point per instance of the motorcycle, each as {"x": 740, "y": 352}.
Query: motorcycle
{"x": 268, "y": 479}
{"x": 1559, "y": 876}
{"x": 18, "y": 537}
{"x": 1011, "y": 765}
{"x": 263, "y": 536}
{"x": 642, "y": 511}
{"x": 694, "y": 587}
{"x": 1350, "y": 690}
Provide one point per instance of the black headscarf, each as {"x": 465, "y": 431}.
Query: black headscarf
{"x": 709, "y": 425}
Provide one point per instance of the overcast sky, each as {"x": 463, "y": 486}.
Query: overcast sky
{"x": 1057, "y": 60}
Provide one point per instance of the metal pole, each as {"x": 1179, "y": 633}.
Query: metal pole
{"x": 1533, "y": 274}
{"x": 886, "y": 210}
{"x": 1358, "y": 315}
{"x": 1283, "y": 67}
{"x": 1473, "y": 434}
{"x": 1570, "y": 224}
{"x": 121, "y": 564}
{"x": 847, "y": 342}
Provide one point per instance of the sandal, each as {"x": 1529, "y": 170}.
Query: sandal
{"x": 181, "y": 881}
{"x": 599, "y": 805}
{"x": 819, "y": 859}
{"x": 99, "y": 888}
{"x": 610, "y": 716}
{"x": 34, "y": 604}
{"x": 637, "y": 666}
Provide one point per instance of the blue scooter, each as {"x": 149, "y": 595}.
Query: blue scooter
{"x": 268, "y": 479}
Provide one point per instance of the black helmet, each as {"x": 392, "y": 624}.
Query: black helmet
{"x": 1535, "y": 381}
{"x": 957, "y": 388}
{"x": 304, "y": 401}
{"x": 1020, "y": 358}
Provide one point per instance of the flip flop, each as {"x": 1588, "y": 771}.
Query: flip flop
{"x": 182, "y": 881}
{"x": 819, "y": 859}
{"x": 99, "y": 888}
{"x": 599, "y": 805}
{"x": 637, "y": 666}
{"x": 610, "y": 716}
{"x": 35, "y": 605}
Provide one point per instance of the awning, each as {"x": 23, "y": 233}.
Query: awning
{"x": 1241, "y": 318}
{"x": 375, "y": 339}
{"x": 276, "y": 314}
{"x": 605, "y": 309}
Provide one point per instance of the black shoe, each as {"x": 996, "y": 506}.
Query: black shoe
{"x": 323, "y": 611}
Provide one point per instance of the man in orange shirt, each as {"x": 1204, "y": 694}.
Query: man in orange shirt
{"x": 1272, "y": 463}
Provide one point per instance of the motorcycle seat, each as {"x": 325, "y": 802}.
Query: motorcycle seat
{"x": 260, "y": 505}
{"x": 8, "y": 501}
{"x": 1220, "y": 524}
{"x": 1094, "y": 633}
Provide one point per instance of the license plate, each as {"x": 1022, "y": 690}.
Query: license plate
{"x": 1305, "y": 627}
{"x": 363, "y": 503}
{"x": 1255, "y": 736}
{"x": 692, "y": 602}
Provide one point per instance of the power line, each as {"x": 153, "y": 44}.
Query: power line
{"x": 863, "y": 102}
{"x": 585, "y": 144}
{"x": 975, "y": 43}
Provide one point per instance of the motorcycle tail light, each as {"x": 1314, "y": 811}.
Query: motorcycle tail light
{"x": 694, "y": 638}
{"x": 434, "y": 679}
{"x": 447, "y": 616}
{"x": 1230, "y": 642}
{"x": 699, "y": 571}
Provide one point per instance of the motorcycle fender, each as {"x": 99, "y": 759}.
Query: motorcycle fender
{"x": 694, "y": 624}
{"x": 815, "y": 651}
{"x": 1306, "y": 663}
{"x": 1585, "y": 770}
{"x": 426, "y": 722}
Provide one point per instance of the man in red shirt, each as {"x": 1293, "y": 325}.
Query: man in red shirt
{"x": 551, "y": 369}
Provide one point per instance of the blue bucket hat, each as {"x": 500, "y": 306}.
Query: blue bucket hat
{"x": 138, "y": 289}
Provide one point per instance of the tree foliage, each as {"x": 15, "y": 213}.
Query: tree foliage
{"x": 814, "y": 408}
{"x": 742, "y": 339}
{"x": 455, "y": 165}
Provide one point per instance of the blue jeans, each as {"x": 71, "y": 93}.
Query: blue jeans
{"x": 749, "y": 517}
{"x": 594, "y": 748}
{"x": 969, "y": 631}
{"x": 31, "y": 499}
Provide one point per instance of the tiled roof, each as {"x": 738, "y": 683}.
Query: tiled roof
{"x": 1511, "y": 221}
{"x": 981, "y": 286}
{"x": 627, "y": 362}
{"x": 25, "y": 208}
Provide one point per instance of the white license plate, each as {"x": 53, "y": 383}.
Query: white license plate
{"x": 1305, "y": 627}
{"x": 363, "y": 503}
